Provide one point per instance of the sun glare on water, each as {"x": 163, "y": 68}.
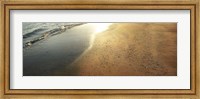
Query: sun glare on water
{"x": 100, "y": 27}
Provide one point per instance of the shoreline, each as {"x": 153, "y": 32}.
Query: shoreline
{"x": 51, "y": 55}
{"x": 124, "y": 49}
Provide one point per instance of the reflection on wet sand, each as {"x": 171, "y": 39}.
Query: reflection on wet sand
{"x": 106, "y": 49}
{"x": 53, "y": 54}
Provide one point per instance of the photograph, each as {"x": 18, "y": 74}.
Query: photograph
{"x": 99, "y": 48}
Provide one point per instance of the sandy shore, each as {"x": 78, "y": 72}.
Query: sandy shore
{"x": 130, "y": 49}
{"x": 125, "y": 49}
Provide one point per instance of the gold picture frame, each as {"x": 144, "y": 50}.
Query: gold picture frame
{"x": 7, "y": 5}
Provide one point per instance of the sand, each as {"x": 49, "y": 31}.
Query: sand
{"x": 130, "y": 49}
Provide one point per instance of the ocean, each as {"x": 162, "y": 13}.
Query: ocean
{"x": 36, "y": 31}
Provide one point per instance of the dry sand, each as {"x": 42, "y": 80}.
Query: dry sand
{"x": 131, "y": 49}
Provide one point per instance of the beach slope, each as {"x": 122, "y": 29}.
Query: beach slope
{"x": 131, "y": 49}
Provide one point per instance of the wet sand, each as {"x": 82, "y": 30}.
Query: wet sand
{"x": 131, "y": 49}
{"x": 51, "y": 55}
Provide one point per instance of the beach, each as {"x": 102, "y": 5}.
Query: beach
{"x": 124, "y": 49}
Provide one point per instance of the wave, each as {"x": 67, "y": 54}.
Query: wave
{"x": 45, "y": 35}
{"x": 32, "y": 33}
